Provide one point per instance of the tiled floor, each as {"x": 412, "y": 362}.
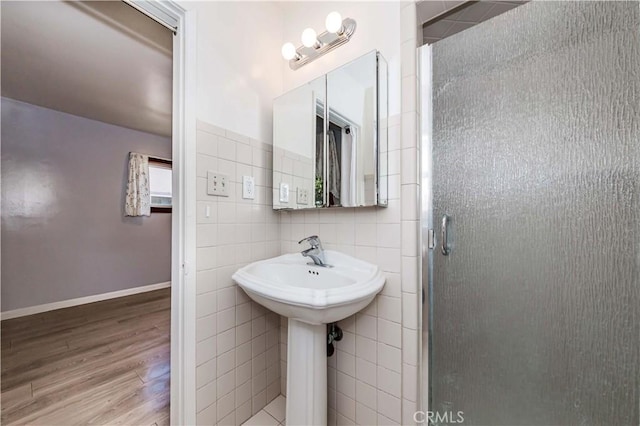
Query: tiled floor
{"x": 271, "y": 415}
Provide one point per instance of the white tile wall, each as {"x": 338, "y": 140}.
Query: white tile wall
{"x": 374, "y": 375}
{"x": 411, "y": 292}
{"x": 237, "y": 350}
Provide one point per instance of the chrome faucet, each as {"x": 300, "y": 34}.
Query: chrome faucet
{"x": 316, "y": 252}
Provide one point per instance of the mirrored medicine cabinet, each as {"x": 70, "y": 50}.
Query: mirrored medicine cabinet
{"x": 330, "y": 139}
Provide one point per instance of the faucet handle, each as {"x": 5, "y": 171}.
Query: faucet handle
{"x": 313, "y": 240}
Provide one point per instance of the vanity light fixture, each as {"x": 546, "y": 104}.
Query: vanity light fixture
{"x": 339, "y": 31}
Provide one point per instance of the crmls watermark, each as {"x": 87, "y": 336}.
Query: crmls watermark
{"x": 438, "y": 418}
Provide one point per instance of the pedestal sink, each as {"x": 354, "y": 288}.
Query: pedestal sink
{"x": 310, "y": 296}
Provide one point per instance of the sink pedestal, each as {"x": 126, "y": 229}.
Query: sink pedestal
{"x": 306, "y": 374}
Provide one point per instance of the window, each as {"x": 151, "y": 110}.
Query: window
{"x": 160, "y": 185}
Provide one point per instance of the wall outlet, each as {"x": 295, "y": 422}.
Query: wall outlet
{"x": 218, "y": 184}
{"x": 284, "y": 192}
{"x": 248, "y": 187}
{"x": 302, "y": 196}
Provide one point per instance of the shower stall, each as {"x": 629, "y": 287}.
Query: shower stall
{"x": 530, "y": 146}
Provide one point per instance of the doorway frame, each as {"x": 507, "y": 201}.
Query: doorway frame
{"x": 183, "y": 220}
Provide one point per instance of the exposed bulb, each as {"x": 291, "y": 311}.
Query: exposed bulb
{"x": 309, "y": 37}
{"x": 333, "y": 23}
{"x": 288, "y": 51}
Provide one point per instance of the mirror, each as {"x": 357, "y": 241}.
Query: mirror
{"x": 352, "y": 134}
{"x": 297, "y": 124}
{"x": 330, "y": 139}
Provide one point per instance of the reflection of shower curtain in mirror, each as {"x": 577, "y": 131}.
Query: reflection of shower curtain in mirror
{"x": 334, "y": 171}
{"x": 333, "y": 178}
{"x": 319, "y": 155}
{"x": 348, "y": 190}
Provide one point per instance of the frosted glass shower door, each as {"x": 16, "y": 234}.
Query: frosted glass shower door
{"x": 535, "y": 162}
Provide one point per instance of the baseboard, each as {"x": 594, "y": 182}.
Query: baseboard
{"x": 80, "y": 301}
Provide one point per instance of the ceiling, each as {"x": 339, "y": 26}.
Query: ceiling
{"x": 101, "y": 60}
{"x": 441, "y": 19}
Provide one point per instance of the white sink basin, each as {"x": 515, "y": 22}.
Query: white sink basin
{"x": 310, "y": 296}
{"x": 290, "y": 286}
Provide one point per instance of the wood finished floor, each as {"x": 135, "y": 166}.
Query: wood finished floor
{"x": 101, "y": 363}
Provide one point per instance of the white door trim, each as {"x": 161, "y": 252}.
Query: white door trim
{"x": 183, "y": 321}
{"x": 183, "y": 225}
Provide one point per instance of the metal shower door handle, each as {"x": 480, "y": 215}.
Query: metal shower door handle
{"x": 443, "y": 236}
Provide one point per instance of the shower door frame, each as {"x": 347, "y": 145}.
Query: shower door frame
{"x": 427, "y": 230}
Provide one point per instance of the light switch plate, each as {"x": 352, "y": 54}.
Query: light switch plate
{"x": 284, "y": 192}
{"x": 248, "y": 187}
{"x": 217, "y": 184}
{"x": 302, "y": 196}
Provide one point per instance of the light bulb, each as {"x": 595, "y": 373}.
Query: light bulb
{"x": 288, "y": 51}
{"x": 309, "y": 37}
{"x": 333, "y": 23}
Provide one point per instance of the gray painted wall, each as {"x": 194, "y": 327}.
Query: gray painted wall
{"x": 64, "y": 234}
